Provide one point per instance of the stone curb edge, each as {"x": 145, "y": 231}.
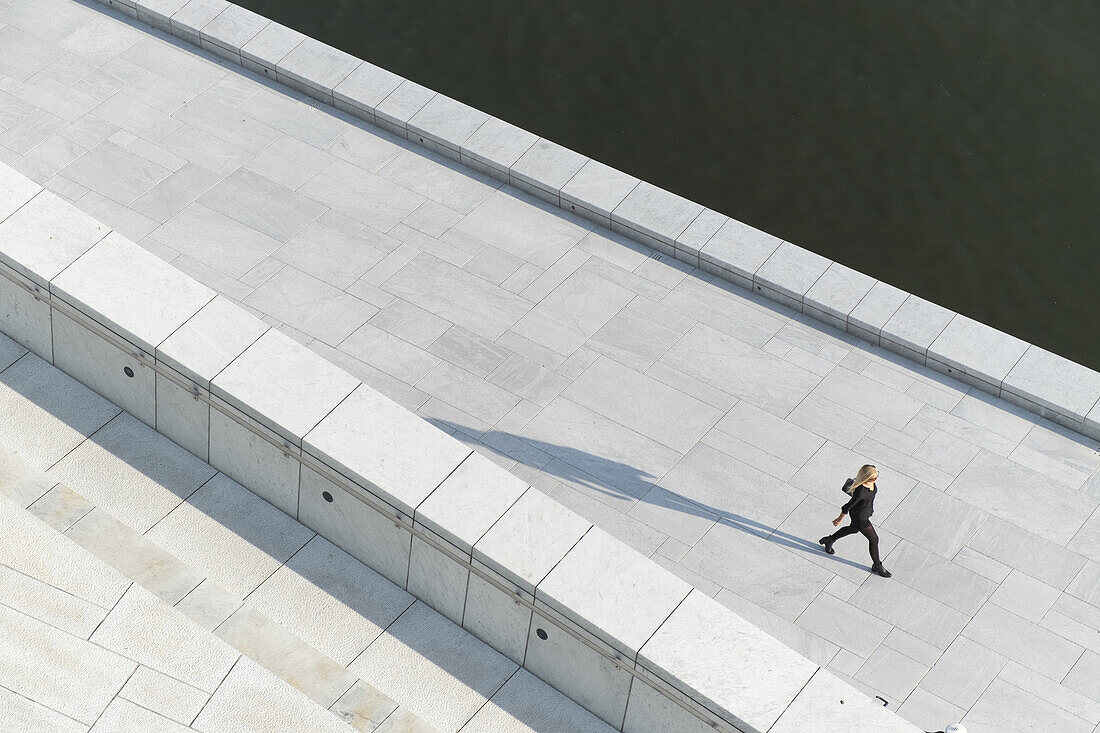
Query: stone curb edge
{"x": 995, "y": 362}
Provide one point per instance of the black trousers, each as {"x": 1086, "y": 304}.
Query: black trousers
{"x": 867, "y": 531}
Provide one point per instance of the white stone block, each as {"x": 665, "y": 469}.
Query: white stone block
{"x": 713, "y": 655}
{"x": 268, "y": 47}
{"x": 496, "y": 146}
{"x": 194, "y": 16}
{"x": 914, "y": 326}
{"x": 977, "y": 350}
{"x": 399, "y": 106}
{"x": 875, "y": 309}
{"x": 45, "y": 236}
{"x": 827, "y": 704}
{"x": 104, "y": 368}
{"x": 316, "y": 66}
{"x": 497, "y": 617}
{"x": 530, "y": 539}
{"x": 699, "y": 232}
{"x": 270, "y": 471}
{"x": 182, "y": 416}
{"x": 545, "y": 168}
{"x": 438, "y": 580}
{"x": 158, "y": 13}
{"x": 612, "y": 591}
{"x": 655, "y": 213}
{"x": 232, "y": 29}
{"x": 649, "y": 711}
{"x": 595, "y": 190}
{"x": 1054, "y": 383}
{"x": 210, "y": 340}
{"x": 739, "y": 249}
{"x": 23, "y": 317}
{"x": 838, "y": 291}
{"x": 131, "y": 291}
{"x": 374, "y": 539}
{"x": 791, "y": 271}
{"x": 283, "y": 385}
{"x": 470, "y": 501}
{"x": 365, "y": 87}
{"x": 446, "y": 122}
{"x": 576, "y": 669}
{"x": 386, "y": 449}
{"x": 15, "y": 190}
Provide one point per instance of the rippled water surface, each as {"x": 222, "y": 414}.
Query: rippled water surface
{"x": 949, "y": 148}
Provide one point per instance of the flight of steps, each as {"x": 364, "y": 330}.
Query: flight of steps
{"x": 142, "y": 590}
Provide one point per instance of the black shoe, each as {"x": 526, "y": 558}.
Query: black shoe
{"x": 827, "y": 544}
{"x": 877, "y": 568}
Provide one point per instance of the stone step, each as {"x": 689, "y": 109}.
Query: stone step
{"x": 139, "y": 509}
{"x": 171, "y": 631}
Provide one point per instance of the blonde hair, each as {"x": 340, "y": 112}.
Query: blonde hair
{"x": 865, "y": 473}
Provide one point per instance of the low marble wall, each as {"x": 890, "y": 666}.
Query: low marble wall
{"x": 995, "y": 362}
{"x": 617, "y": 633}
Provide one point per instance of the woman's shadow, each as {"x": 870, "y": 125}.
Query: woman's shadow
{"x": 620, "y": 480}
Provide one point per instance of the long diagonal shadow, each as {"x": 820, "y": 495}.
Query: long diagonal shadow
{"x": 620, "y": 480}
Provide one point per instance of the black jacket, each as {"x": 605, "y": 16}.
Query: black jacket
{"x": 862, "y": 505}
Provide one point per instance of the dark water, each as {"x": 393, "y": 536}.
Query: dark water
{"x": 948, "y": 148}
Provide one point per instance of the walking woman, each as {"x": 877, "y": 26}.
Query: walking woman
{"x": 860, "y": 508}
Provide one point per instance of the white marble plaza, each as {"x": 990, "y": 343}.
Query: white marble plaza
{"x": 703, "y": 425}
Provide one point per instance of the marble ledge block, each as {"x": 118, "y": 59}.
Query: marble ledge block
{"x": 649, "y": 711}
{"x": 231, "y": 30}
{"x": 269, "y": 46}
{"x": 447, "y": 123}
{"x": 738, "y": 249}
{"x": 791, "y": 271}
{"x": 1091, "y": 425}
{"x": 495, "y": 147}
{"x": 316, "y": 68}
{"x": 210, "y": 340}
{"x": 188, "y": 21}
{"x": 374, "y": 539}
{"x": 15, "y": 190}
{"x": 436, "y": 578}
{"x": 255, "y": 457}
{"x": 641, "y": 237}
{"x": 1056, "y": 384}
{"x": 469, "y": 501}
{"x": 388, "y": 451}
{"x": 46, "y": 235}
{"x": 364, "y": 88}
{"x": 131, "y": 291}
{"x": 836, "y": 293}
{"x": 525, "y": 544}
{"x": 976, "y": 350}
{"x": 182, "y": 415}
{"x": 120, "y": 376}
{"x": 914, "y": 326}
{"x": 732, "y": 276}
{"x": 544, "y": 168}
{"x": 596, "y": 190}
{"x": 714, "y": 656}
{"x": 158, "y": 13}
{"x": 283, "y": 385}
{"x": 126, "y": 7}
{"x": 634, "y": 598}
{"x": 698, "y": 233}
{"x": 573, "y": 667}
{"x": 656, "y": 213}
{"x": 498, "y": 613}
{"x": 25, "y": 314}
{"x": 876, "y": 308}
{"x": 401, "y": 105}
